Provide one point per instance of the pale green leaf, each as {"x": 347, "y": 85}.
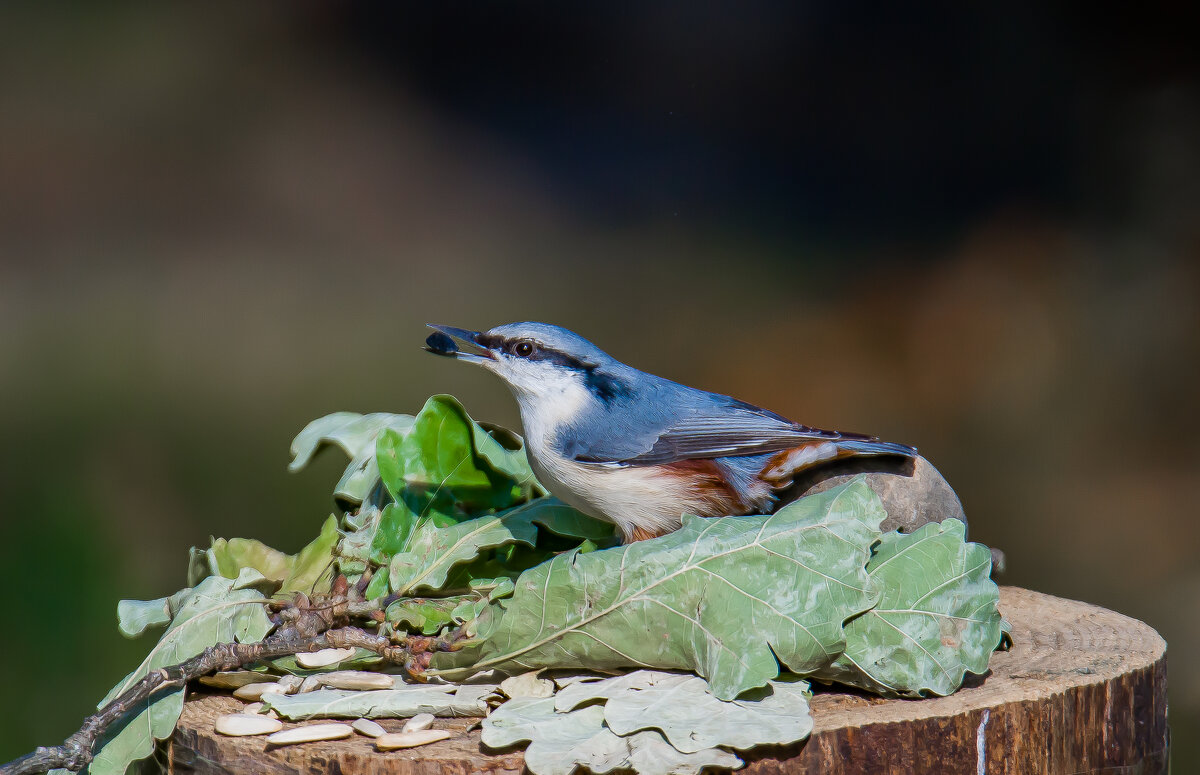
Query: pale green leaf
{"x": 359, "y": 528}
{"x": 561, "y": 742}
{"x": 935, "y": 621}
{"x": 308, "y": 571}
{"x": 356, "y": 435}
{"x": 312, "y": 568}
{"x": 723, "y": 597}
{"x": 218, "y": 610}
{"x": 689, "y": 716}
{"x": 466, "y": 700}
{"x": 650, "y": 754}
{"x": 558, "y": 742}
{"x": 528, "y": 685}
{"x": 228, "y": 556}
{"x": 198, "y": 566}
{"x": 136, "y": 616}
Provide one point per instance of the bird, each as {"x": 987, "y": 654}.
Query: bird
{"x": 639, "y": 450}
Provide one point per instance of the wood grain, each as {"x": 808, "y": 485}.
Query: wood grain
{"x": 1083, "y": 690}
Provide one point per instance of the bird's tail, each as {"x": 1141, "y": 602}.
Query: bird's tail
{"x": 782, "y": 467}
{"x": 851, "y": 447}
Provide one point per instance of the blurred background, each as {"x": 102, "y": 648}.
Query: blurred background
{"x": 970, "y": 228}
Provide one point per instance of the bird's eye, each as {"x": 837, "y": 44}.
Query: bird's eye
{"x": 523, "y": 349}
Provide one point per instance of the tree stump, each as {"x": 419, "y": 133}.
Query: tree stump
{"x": 1083, "y": 690}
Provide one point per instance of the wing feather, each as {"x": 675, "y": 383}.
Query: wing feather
{"x": 734, "y": 429}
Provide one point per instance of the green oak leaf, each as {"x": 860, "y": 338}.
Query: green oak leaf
{"x": 493, "y": 588}
{"x": 391, "y": 536}
{"x": 935, "y": 621}
{"x": 427, "y": 615}
{"x": 561, "y": 528}
{"x": 438, "y": 467}
{"x": 448, "y": 557}
{"x": 377, "y": 587}
{"x": 218, "y": 610}
{"x": 433, "y": 551}
{"x": 729, "y": 598}
{"x": 448, "y": 449}
{"x": 504, "y": 452}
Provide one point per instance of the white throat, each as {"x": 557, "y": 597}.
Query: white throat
{"x": 557, "y": 399}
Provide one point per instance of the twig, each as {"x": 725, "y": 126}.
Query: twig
{"x": 303, "y": 635}
{"x": 303, "y": 625}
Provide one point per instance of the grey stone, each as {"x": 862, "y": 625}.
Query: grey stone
{"x": 914, "y": 493}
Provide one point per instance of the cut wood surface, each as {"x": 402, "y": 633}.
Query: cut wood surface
{"x": 1083, "y": 690}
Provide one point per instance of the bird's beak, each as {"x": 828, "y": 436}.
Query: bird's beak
{"x": 441, "y": 342}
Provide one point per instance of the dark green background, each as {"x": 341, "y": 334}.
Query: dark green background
{"x": 970, "y": 230}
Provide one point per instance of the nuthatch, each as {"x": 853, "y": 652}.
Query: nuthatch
{"x": 638, "y": 450}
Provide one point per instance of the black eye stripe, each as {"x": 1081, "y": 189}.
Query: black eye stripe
{"x": 607, "y": 387}
{"x": 560, "y": 358}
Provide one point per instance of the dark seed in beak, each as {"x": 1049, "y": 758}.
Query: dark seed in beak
{"x": 440, "y": 344}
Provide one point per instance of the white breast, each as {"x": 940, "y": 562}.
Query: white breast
{"x": 630, "y": 497}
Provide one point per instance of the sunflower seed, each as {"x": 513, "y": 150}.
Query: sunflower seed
{"x": 256, "y": 709}
{"x": 324, "y": 657}
{"x": 235, "y": 679}
{"x": 410, "y": 739}
{"x": 254, "y": 692}
{"x": 311, "y": 734}
{"x": 242, "y": 724}
{"x": 365, "y": 726}
{"x": 418, "y": 722}
{"x": 290, "y": 683}
{"x": 355, "y": 679}
{"x": 310, "y": 684}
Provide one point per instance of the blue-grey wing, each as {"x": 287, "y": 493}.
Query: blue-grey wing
{"x": 727, "y": 429}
